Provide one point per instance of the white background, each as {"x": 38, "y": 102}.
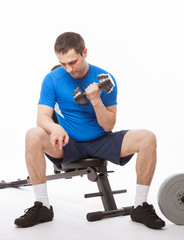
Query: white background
{"x": 139, "y": 42}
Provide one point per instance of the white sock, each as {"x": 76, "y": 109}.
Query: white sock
{"x": 141, "y": 194}
{"x": 41, "y": 195}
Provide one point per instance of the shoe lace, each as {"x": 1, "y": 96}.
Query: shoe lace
{"x": 151, "y": 212}
{"x": 31, "y": 211}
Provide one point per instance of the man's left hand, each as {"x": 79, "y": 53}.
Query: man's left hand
{"x": 93, "y": 93}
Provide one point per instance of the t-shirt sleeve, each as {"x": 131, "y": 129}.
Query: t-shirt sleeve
{"x": 47, "y": 94}
{"x": 110, "y": 98}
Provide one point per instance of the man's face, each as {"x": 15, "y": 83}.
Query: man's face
{"x": 74, "y": 63}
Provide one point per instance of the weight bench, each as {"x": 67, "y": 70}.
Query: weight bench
{"x": 96, "y": 171}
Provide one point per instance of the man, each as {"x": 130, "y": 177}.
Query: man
{"x": 83, "y": 131}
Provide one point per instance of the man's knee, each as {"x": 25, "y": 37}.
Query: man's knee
{"x": 149, "y": 140}
{"x": 35, "y": 137}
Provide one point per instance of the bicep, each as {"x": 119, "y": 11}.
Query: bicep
{"x": 44, "y": 110}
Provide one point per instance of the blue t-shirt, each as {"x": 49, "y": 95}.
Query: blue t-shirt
{"x": 79, "y": 121}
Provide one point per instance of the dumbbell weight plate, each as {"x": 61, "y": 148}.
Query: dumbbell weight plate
{"x": 171, "y": 198}
{"x": 106, "y": 82}
{"x": 79, "y": 96}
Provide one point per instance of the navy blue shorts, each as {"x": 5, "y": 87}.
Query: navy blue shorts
{"x": 107, "y": 147}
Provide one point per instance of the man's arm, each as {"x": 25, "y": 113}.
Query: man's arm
{"x": 58, "y": 135}
{"x": 44, "y": 118}
{"x": 106, "y": 116}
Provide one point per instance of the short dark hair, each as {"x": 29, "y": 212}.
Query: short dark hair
{"x": 69, "y": 40}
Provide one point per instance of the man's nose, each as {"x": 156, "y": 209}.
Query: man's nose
{"x": 69, "y": 68}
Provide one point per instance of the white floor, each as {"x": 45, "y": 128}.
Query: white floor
{"x": 70, "y": 208}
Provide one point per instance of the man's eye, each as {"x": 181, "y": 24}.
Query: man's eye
{"x": 73, "y": 62}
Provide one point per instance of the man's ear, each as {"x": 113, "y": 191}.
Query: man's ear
{"x": 85, "y": 52}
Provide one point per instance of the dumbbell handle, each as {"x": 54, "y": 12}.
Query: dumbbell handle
{"x": 99, "y": 85}
{"x": 84, "y": 94}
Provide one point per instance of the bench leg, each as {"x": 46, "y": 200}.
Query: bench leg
{"x": 107, "y": 195}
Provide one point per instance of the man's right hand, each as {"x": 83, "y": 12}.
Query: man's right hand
{"x": 58, "y": 137}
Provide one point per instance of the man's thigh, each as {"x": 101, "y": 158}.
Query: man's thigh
{"x": 132, "y": 141}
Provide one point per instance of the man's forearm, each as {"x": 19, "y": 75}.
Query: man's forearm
{"x": 47, "y": 123}
{"x": 106, "y": 119}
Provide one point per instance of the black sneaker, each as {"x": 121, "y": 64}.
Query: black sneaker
{"x": 146, "y": 214}
{"x": 34, "y": 215}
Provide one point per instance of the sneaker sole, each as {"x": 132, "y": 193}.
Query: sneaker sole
{"x": 152, "y": 227}
{"x": 26, "y": 225}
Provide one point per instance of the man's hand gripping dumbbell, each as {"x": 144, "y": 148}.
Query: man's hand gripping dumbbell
{"x": 106, "y": 83}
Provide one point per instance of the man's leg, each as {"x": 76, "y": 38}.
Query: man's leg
{"x": 143, "y": 143}
{"x": 38, "y": 142}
